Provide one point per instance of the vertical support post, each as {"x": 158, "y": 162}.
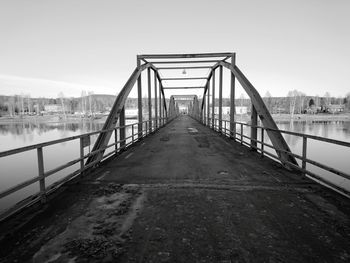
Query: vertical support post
{"x": 149, "y": 100}
{"x": 241, "y": 133}
{"x": 303, "y": 165}
{"x": 208, "y": 103}
{"x": 220, "y": 99}
{"x": 122, "y": 128}
{"x": 81, "y": 154}
{"x": 146, "y": 130}
{"x": 204, "y": 115}
{"x": 155, "y": 100}
{"x": 116, "y": 140}
{"x": 262, "y": 142}
{"x": 132, "y": 133}
{"x": 232, "y": 101}
{"x": 139, "y": 102}
{"x": 160, "y": 105}
{"x": 213, "y": 102}
{"x": 41, "y": 175}
{"x": 225, "y": 128}
{"x": 253, "y": 129}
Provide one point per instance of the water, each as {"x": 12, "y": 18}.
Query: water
{"x": 331, "y": 155}
{"x": 20, "y": 167}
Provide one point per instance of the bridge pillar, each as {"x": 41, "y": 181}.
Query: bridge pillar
{"x": 254, "y": 129}
{"x": 232, "y": 101}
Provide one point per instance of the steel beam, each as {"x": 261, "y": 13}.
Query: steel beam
{"x": 213, "y": 102}
{"x": 184, "y": 62}
{"x": 194, "y": 78}
{"x": 149, "y": 100}
{"x": 122, "y": 129}
{"x": 185, "y": 67}
{"x": 253, "y": 129}
{"x": 103, "y": 138}
{"x": 155, "y": 100}
{"x": 265, "y": 116}
{"x": 194, "y": 55}
{"x": 139, "y": 101}
{"x": 208, "y": 103}
{"x": 232, "y": 101}
{"x": 220, "y": 98}
{"x": 183, "y": 87}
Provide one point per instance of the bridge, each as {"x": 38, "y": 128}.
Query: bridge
{"x": 176, "y": 187}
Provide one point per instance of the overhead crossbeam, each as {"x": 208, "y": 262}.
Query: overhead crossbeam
{"x": 183, "y": 87}
{"x": 184, "y": 61}
{"x": 196, "y": 55}
{"x": 185, "y": 78}
{"x": 185, "y": 67}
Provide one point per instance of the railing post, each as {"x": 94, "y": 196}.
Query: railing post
{"x": 220, "y": 99}
{"x": 204, "y": 109}
{"x": 41, "y": 175}
{"x": 253, "y": 129}
{"x": 241, "y": 133}
{"x": 122, "y": 128}
{"x": 225, "y": 128}
{"x": 146, "y": 123}
{"x": 155, "y": 101}
{"x": 132, "y": 133}
{"x": 262, "y": 142}
{"x": 116, "y": 140}
{"x": 139, "y": 101}
{"x": 149, "y": 100}
{"x": 303, "y": 165}
{"x": 232, "y": 101}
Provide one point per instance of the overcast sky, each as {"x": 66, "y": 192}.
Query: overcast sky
{"x": 52, "y": 46}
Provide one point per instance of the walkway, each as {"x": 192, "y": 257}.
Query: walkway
{"x": 186, "y": 194}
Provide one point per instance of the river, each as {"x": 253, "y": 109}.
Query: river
{"x": 19, "y": 167}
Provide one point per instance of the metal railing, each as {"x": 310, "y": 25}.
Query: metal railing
{"x": 255, "y": 143}
{"x": 148, "y": 126}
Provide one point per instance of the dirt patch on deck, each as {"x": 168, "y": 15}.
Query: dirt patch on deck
{"x": 99, "y": 234}
{"x": 202, "y": 141}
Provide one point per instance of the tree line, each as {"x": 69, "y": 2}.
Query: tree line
{"x": 295, "y": 102}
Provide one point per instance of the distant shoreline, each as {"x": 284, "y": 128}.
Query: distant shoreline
{"x": 75, "y": 118}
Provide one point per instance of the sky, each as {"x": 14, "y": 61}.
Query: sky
{"x": 48, "y": 47}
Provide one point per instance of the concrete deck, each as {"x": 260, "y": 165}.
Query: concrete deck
{"x": 185, "y": 194}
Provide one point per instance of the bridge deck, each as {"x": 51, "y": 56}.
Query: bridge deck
{"x": 186, "y": 194}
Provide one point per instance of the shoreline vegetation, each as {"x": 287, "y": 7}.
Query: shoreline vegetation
{"x": 71, "y": 118}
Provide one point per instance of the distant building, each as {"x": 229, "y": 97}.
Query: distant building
{"x": 53, "y": 108}
{"x": 335, "y": 108}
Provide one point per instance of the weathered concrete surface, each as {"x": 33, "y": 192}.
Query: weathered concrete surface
{"x": 185, "y": 194}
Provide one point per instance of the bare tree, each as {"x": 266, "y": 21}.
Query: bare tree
{"x": 292, "y": 97}
{"x": 61, "y": 96}
{"x": 327, "y": 97}
{"x": 268, "y": 100}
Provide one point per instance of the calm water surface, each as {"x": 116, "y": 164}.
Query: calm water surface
{"x": 20, "y": 167}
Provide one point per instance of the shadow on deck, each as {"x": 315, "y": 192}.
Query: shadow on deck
{"x": 185, "y": 194}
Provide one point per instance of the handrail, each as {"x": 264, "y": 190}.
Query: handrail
{"x": 42, "y": 174}
{"x": 240, "y": 137}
